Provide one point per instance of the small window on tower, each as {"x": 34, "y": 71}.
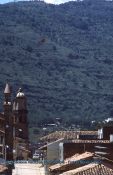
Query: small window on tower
{"x": 20, "y": 119}
{"x": 24, "y": 120}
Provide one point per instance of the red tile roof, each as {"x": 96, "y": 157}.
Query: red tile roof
{"x": 67, "y": 135}
{"x": 72, "y": 160}
{"x": 90, "y": 169}
{"x": 2, "y": 168}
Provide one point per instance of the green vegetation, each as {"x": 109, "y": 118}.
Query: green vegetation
{"x": 62, "y": 56}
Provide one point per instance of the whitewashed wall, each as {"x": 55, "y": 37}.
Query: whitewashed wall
{"x": 53, "y": 156}
{"x": 29, "y": 169}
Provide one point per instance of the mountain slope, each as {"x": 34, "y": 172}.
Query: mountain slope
{"x": 61, "y": 55}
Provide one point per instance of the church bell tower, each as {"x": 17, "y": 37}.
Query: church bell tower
{"x": 20, "y": 125}
{"x": 8, "y": 152}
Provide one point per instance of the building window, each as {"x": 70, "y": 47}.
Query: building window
{"x": 1, "y": 139}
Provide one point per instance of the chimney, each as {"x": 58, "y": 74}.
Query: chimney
{"x": 111, "y": 138}
{"x": 100, "y": 133}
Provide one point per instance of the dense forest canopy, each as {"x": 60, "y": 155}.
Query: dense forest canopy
{"x": 62, "y": 56}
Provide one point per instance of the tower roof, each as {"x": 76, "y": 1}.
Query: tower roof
{"x": 7, "y": 89}
{"x": 20, "y": 101}
{"x": 20, "y": 93}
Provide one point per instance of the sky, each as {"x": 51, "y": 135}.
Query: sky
{"x": 48, "y": 1}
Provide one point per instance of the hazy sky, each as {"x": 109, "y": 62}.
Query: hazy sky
{"x": 48, "y": 1}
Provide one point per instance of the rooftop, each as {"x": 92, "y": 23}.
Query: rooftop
{"x": 71, "y": 160}
{"x": 7, "y": 89}
{"x": 2, "y": 168}
{"x": 20, "y": 93}
{"x": 93, "y": 169}
{"x": 67, "y": 135}
{"x": 86, "y": 141}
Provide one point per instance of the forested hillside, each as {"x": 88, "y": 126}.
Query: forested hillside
{"x": 62, "y": 56}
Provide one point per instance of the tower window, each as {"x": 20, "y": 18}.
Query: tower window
{"x": 20, "y": 119}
